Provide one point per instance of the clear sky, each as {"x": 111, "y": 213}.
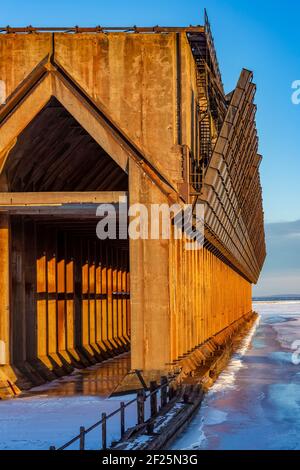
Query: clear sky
{"x": 261, "y": 35}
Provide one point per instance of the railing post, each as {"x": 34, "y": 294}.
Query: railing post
{"x": 104, "y": 432}
{"x": 82, "y": 438}
{"x": 122, "y": 411}
{"x": 141, "y": 406}
{"x": 171, "y": 392}
{"x": 153, "y": 399}
{"x": 163, "y": 392}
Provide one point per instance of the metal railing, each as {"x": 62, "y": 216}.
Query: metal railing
{"x": 167, "y": 393}
{"x": 101, "y": 29}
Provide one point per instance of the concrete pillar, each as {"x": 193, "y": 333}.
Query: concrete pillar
{"x": 149, "y": 279}
{"x": 52, "y": 318}
{"x": 61, "y": 301}
{"x": 30, "y": 289}
{"x": 70, "y": 300}
{"x": 98, "y": 292}
{"x": 4, "y": 290}
{"x": 76, "y": 247}
{"x": 85, "y": 303}
{"x": 18, "y": 314}
{"x": 106, "y": 329}
{"x": 41, "y": 285}
{"x": 43, "y": 364}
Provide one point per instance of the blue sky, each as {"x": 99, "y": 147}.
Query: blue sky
{"x": 281, "y": 274}
{"x": 263, "y": 36}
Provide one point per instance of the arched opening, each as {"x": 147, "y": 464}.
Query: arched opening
{"x": 70, "y": 291}
{"x": 55, "y": 153}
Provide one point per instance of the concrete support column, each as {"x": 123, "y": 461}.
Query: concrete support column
{"x": 30, "y": 289}
{"x": 41, "y": 288}
{"x": 104, "y": 300}
{"x": 70, "y": 300}
{"x": 149, "y": 285}
{"x": 98, "y": 292}
{"x": 4, "y": 290}
{"x": 18, "y": 316}
{"x": 77, "y": 249}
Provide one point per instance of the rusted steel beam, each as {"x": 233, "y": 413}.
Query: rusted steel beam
{"x": 103, "y": 29}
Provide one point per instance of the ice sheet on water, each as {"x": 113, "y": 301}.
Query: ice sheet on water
{"x": 285, "y": 402}
{"x": 255, "y": 404}
{"x": 228, "y": 376}
{"x": 285, "y": 319}
{"x": 281, "y": 356}
{"x": 215, "y": 416}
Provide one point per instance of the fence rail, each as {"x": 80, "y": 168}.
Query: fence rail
{"x": 101, "y": 29}
{"x": 167, "y": 392}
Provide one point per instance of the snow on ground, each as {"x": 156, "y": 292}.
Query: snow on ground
{"x": 255, "y": 404}
{"x": 38, "y": 422}
{"x": 53, "y": 413}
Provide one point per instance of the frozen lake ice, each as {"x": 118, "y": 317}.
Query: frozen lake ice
{"x": 255, "y": 404}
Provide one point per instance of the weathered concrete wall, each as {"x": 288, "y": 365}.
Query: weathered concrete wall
{"x": 132, "y": 77}
{"x": 20, "y": 54}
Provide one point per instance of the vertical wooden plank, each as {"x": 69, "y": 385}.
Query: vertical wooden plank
{"x": 61, "y": 290}
{"x": 30, "y": 269}
{"x": 77, "y": 257}
{"x": 109, "y": 274}
{"x": 114, "y": 254}
{"x": 51, "y": 290}
{"x": 128, "y": 302}
{"x": 172, "y": 297}
{"x": 70, "y": 303}
{"x": 98, "y": 288}
{"x": 119, "y": 300}
{"x": 18, "y": 317}
{"x": 41, "y": 288}
{"x": 104, "y": 302}
{"x": 92, "y": 292}
{"x": 180, "y": 297}
{"x": 85, "y": 295}
{"x": 69, "y": 273}
{"x": 124, "y": 300}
